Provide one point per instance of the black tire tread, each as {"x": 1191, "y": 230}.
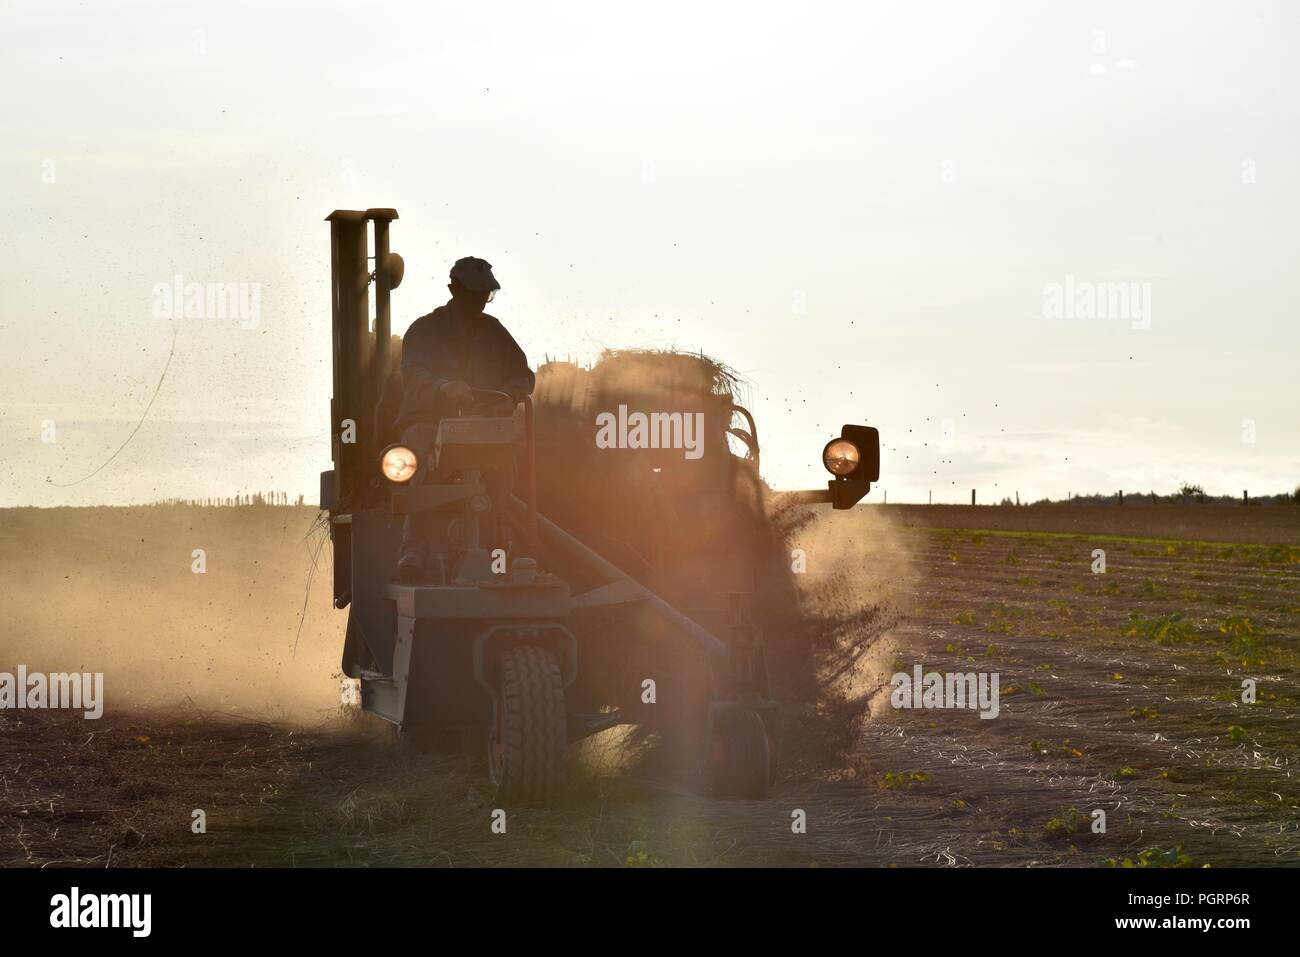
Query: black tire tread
{"x": 535, "y": 735}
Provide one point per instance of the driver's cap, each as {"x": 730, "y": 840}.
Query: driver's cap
{"x": 474, "y": 273}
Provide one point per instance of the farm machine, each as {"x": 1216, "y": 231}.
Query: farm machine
{"x": 578, "y": 586}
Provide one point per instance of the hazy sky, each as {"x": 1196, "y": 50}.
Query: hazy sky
{"x": 858, "y": 206}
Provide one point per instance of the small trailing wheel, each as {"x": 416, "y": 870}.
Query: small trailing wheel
{"x": 739, "y": 763}
{"x": 527, "y": 750}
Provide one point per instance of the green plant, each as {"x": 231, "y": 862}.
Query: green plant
{"x": 1164, "y": 630}
{"x": 1237, "y": 626}
{"x": 1155, "y": 857}
{"x": 903, "y": 780}
{"x": 638, "y": 855}
{"x": 1068, "y": 822}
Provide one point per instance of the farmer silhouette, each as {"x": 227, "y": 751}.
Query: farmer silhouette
{"x": 454, "y": 349}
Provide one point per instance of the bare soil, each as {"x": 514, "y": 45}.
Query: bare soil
{"x": 1120, "y": 692}
{"x": 1259, "y": 524}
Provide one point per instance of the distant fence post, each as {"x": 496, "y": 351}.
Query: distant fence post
{"x": 972, "y": 496}
{"x": 1245, "y": 497}
{"x": 1121, "y": 496}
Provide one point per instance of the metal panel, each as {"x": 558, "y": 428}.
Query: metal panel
{"x": 353, "y": 348}
{"x": 620, "y": 592}
{"x": 376, "y": 542}
{"x": 547, "y": 598}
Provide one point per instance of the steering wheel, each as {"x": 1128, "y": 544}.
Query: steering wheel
{"x": 480, "y": 400}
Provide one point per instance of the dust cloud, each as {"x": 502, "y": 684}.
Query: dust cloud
{"x": 857, "y": 571}
{"x": 114, "y": 590}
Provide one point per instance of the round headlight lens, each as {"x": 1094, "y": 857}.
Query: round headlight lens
{"x": 841, "y": 457}
{"x": 399, "y": 463}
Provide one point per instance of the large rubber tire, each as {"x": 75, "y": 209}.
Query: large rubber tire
{"x": 527, "y": 752}
{"x": 739, "y": 764}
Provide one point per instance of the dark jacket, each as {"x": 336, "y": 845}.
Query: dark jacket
{"x": 482, "y": 353}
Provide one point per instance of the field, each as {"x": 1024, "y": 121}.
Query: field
{"x": 1262, "y": 525}
{"x": 1120, "y": 691}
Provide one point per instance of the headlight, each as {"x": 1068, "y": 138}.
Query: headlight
{"x": 399, "y": 463}
{"x": 841, "y": 457}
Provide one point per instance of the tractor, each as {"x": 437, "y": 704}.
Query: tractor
{"x": 580, "y": 584}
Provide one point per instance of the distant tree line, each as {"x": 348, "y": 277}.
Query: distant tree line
{"x": 1187, "y": 494}
{"x": 240, "y": 500}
